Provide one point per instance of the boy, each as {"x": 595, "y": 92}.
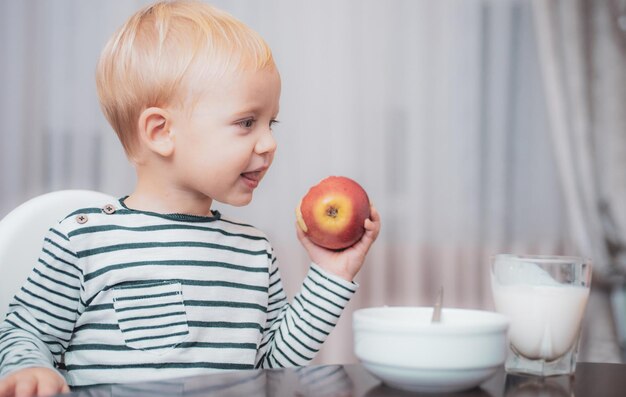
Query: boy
{"x": 159, "y": 285}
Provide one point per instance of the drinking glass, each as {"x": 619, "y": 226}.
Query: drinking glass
{"x": 544, "y": 298}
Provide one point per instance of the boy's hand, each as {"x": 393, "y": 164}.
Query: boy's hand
{"x": 345, "y": 263}
{"x": 36, "y": 381}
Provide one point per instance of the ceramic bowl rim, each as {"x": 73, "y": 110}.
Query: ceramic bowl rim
{"x": 365, "y": 319}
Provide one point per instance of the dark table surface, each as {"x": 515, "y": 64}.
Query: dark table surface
{"x": 591, "y": 379}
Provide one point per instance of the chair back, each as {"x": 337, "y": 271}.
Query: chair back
{"x": 23, "y": 229}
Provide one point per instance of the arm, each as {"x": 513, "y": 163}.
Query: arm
{"x": 40, "y": 322}
{"x": 299, "y": 329}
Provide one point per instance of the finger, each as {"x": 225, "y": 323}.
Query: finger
{"x": 371, "y": 225}
{"x": 65, "y": 388}
{"x": 26, "y": 387}
{"x": 368, "y": 239}
{"x": 374, "y": 214}
{"x": 299, "y": 232}
{"x": 7, "y": 386}
{"x": 373, "y": 221}
{"x": 298, "y": 224}
{"x": 372, "y": 230}
{"x": 304, "y": 240}
{"x": 49, "y": 387}
{"x": 371, "y": 233}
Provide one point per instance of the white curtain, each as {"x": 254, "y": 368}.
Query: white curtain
{"x": 582, "y": 46}
{"x": 435, "y": 107}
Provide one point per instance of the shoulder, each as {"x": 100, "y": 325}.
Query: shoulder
{"x": 237, "y": 227}
{"x": 87, "y": 217}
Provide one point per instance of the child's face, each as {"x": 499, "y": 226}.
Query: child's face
{"x": 224, "y": 148}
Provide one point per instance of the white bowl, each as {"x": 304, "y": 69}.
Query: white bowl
{"x": 405, "y": 350}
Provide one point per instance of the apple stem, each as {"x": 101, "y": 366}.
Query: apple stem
{"x": 332, "y": 212}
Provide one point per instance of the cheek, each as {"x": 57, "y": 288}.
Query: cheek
{"x": 271, "y": 157}
{"x": 199, "y": 160}
{"x": 223, "y": 162}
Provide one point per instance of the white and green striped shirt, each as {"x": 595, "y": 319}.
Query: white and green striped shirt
{"x": 120, "y": 295}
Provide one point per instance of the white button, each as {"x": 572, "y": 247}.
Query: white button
{"x": 82, "y": 218}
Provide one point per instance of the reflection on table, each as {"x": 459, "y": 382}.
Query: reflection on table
{"x": 591, "y": 379}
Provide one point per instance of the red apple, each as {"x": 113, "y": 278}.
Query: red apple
{"x": 333, "y": 212}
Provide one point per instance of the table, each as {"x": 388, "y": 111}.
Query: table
{"x": 591, "y": 379}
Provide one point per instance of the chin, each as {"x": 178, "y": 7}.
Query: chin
{"x": 238, "y": 201}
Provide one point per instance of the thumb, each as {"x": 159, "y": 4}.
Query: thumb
{"x": 304, "y": 240}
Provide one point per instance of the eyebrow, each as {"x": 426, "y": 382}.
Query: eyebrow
{"x": 252, "y": 109}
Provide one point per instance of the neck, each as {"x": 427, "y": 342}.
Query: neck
{"x": 154, "y": 193}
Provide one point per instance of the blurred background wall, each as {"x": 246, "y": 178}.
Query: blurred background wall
{"x": 436, "y": 107}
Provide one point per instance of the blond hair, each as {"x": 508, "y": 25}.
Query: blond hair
{"x": 157, "y": 55}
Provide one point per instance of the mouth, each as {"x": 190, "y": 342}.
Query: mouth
{"x": 252, "y": 178}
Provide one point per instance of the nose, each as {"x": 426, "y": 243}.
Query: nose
{"x": 265, "y": 144}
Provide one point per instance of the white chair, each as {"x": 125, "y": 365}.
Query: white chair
{"x": 22, "y": 232}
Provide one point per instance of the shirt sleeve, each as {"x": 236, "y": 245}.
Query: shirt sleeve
{"x": 297, "y": 331}
{"x": 41, "y": 317}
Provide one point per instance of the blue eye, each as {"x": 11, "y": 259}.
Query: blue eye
{"x": 247, "y": 123}
{"x": 273, "y": 122}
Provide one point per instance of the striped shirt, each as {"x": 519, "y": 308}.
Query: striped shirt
{"x": 120, "y": 295}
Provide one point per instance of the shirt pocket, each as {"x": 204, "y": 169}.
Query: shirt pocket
{"x": 151, "y": 316}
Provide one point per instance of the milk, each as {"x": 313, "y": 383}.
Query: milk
{"x": 545, "y": 319}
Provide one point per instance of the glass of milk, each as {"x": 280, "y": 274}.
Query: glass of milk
{"x": 544, "y": 298}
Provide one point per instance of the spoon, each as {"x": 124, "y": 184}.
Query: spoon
{"x": 437, "y": 309}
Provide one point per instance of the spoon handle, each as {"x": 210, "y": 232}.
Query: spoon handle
{"x": 437, "y": 309}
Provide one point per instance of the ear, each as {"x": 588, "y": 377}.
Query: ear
{"x": 155, "y": 131}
